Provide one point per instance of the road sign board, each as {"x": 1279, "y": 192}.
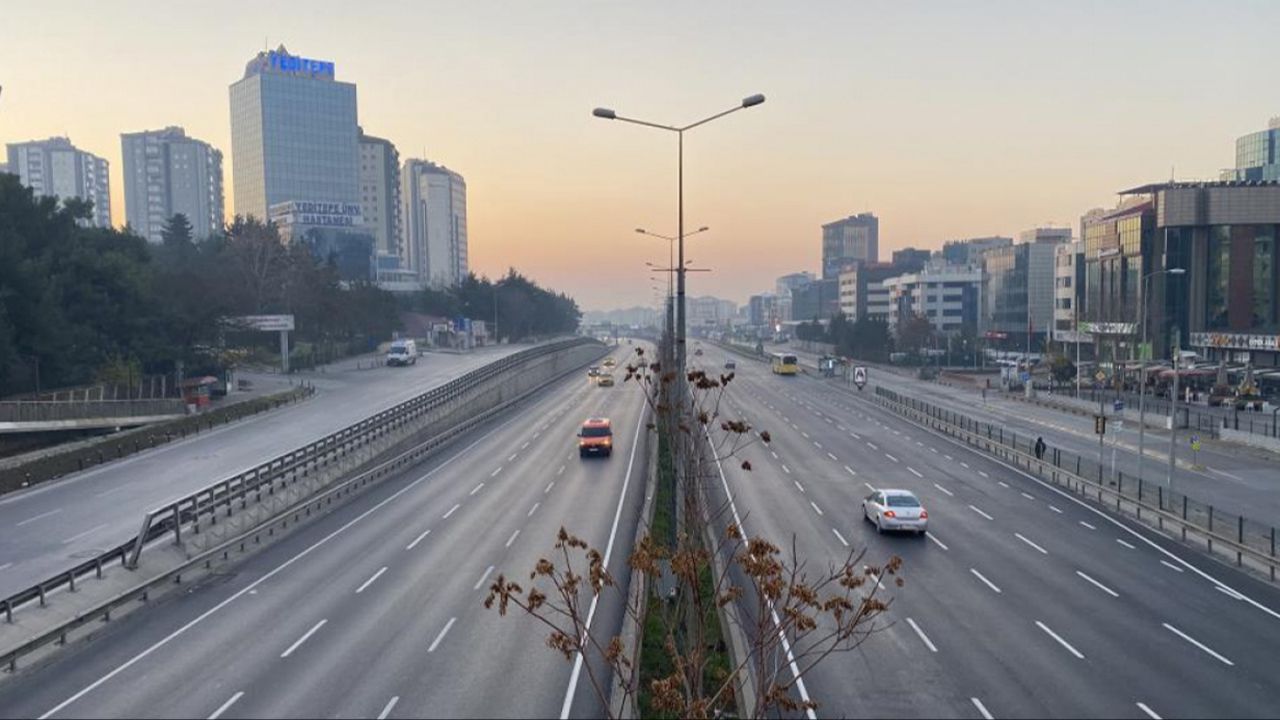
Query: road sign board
{"x": 1025, "y": 376}
{"x": 1118, "y": 405}
{"x": 1100, "y": 376}
{"x": 264, "y": 322}
{"x": 1195, "y": 443}
{"x": 859, "y": 376}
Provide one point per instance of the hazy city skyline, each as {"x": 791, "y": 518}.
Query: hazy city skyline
{"x": 944, "y": 121}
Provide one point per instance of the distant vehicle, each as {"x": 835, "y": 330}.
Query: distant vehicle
{"x": 604, "y": 380}
{"x": 403, "y": 352}
{"x": 595, "y": 437}
{"x": 897, "y": 357}
{"x": 610, "y": 362}
{"x": 593, "y": 373}
{"x": 783, "y": 364}
{"x": 698, "y": 352}
{"x": 895, "y": 510}
{"x": 730, "y": 365}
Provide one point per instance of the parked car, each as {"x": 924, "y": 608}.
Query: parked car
{"x": 895, "y": 510}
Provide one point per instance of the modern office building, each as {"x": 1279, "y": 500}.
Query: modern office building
{"x": 855, "y": 238}
{"x": 707, "y": 312}
{"x": 763, "y": 310}
{"x": 166, "y": 173}
{"x": 949, "y": 296}
{"x": 380, "y": 203}
{"x": 863, "y": 295}
{"x": 1118, "y": 251}
{"x": 294, "y": 134}
{"x": 969, "y": 252}
{"x": 1068, "y": 297}
{"x": 56, "y": 168}
{"x": 910, "y": 259}
{"x": 1224, "y": 234}
{"x": 1258, "y": 155}
{"x": 818, "y": 300}
{"x": 435, "y": 222}
{"x": 1019, "y": 291}
{"x": 787, "y": 283}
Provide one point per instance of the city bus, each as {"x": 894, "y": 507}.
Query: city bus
{"x": 783, "y": 364}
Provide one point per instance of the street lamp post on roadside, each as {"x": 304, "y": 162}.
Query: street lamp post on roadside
{"x": 671, "y": 244}
{"x": 608, "y": 114}
{"x": 1142, "y": 369}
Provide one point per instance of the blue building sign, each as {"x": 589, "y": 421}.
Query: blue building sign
{"x": 294, "y": 65}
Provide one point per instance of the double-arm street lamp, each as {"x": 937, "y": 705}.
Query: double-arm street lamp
{"x": 609, "y": 114}
{"x": 1142, "y": 369}
{"x": 671, "y": 244}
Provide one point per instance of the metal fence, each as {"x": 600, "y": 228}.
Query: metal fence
{"x": 267, "y": 478}
{"x": 1233, "y": 533}
{"x": 1199, "y": 417}
{"x": 65, "y": 410}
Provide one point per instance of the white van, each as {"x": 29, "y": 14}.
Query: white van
{"x": 402, "y": 352}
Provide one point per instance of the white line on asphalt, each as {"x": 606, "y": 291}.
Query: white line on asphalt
{"x": 798, "y": 485}
{"x": 6, "y": 566}
{"x": 476, "y": 489}
{"x": 116, "y": 489}
{"x": 841, "y": 428}
{"x": 869, "y": 487}
{"x": 1150, "y": 713}
{"x": 369, "y": 582}
{"x": 983, "y": 474}
{"x": 512, "y": 538}
{"x": 891, "y": 457}
{"x": 933, "y": 450}
{"x": 1029, "y": 496}
{"x": 805, "y": 434}
{"x": 1002, "y": 483}
{"x": 483, "y": 577}
{"x": 417, "y": 540}
{"x": 535, "y": 435}
{"x": 1061, "y": 642}
{"x": 786, "y": 469}
{"x": 525, "y": 445}
{"x": 386, "y": 711}
{"x": 549, "y": 486}
{"x": 850, "y": 471}
{"x": 1131, "y": 547}
{"x": 948, "y": 492}
{"x": 34, "y": 518}
{"x": 897, "y": 432}
{"x": 560, "y": 471}
{"x": 440, "y": 637}
{"x": 777, "y": 621}
{"x": 1170, "y": 565}
{"x": 964, "y": 464}
{"x": 567, "y": 705}
{"x": 815, "y": 507}
{"x": 1025, "y": 540}
{"x": 981, "y": 513}
{"x": 841, "y": 537}
{"x": 920, "y": 443}
{"x": 1055, "y": 509}
{"x": 923, "y": 638}
{"x": 982, "y": 709}
{"x": 774, "y": 454}
{"x": 947, "y": 456}
{"x": 452, "y": 510}
{"x": 512, "y": 456}
{"x": 1198, "y": 644}
{"x": 495, "y": 472}
{"x": 817, "y": 444}
{"x": 77, "y": 536}
{"x": 1088, "y": 525}
{"x": 872, "y": 445}
{"x": 305, "y": 636}
{"x": 1099, "y": 585}
{"x": 1229, "y": 592}
{"x": 833, "y": 457}
{"x": 984, "y": 579}
{"x": 533, "y": 509}
{"x": 855, "y": 436}
{"x": 915, "y": 472}
{"x": 935, "y": 540}
{"x": 223, "y": 708}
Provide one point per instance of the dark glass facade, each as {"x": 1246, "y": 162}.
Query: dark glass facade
{"x": 1241, "y": 289}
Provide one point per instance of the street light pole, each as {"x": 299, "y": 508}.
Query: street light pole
{"x": 1142, "y": 368}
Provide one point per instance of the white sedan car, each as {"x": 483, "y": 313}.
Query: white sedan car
{"x": 895, "y": 510}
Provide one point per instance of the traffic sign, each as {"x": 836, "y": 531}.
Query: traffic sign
{"x": 1099, "y": 376}
{"x": 859, "y": 376}
{"x": 1100, "y": 425}
{"x": 1118, "y": 405}
{"x": 1195, "y": 443}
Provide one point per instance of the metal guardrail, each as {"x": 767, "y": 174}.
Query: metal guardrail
{"x": 56, "y": 410}
{"x": 262, "y": 479}
{"x": 1150, "y": 502}
{"x": 298, "y": 513}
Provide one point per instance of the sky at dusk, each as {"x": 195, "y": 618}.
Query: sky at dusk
{"x": 947, "y": 120}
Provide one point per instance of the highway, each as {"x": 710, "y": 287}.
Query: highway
{"x": 1233, "y": 478}
{"x": 375, "y": 610}
{"x": 1022, "y": 601}
{"x": 52, "y": 526}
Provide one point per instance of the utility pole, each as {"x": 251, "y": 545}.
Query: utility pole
{"x": 1173, "y": 404}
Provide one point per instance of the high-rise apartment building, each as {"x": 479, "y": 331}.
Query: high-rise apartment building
{"x": 1258, "y": 154}
{"x": 294, "y": 134}
{"x": 969, "y": 251}
{"x": 948, "y": 296}
{"x": 380, "y": 203}
{"x": 435, "y": 222}
{"x": 56, "y": 168}
{"x": 786, "y": 284}
{"x": 1020, "y": 286}
{"x": 165, "y": 173}
{"x": 855, "y": 238}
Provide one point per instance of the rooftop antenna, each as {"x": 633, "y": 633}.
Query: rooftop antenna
{"x": 1171, "y": 175}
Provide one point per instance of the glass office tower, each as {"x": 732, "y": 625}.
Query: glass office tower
{"x": 294, "y": 134}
